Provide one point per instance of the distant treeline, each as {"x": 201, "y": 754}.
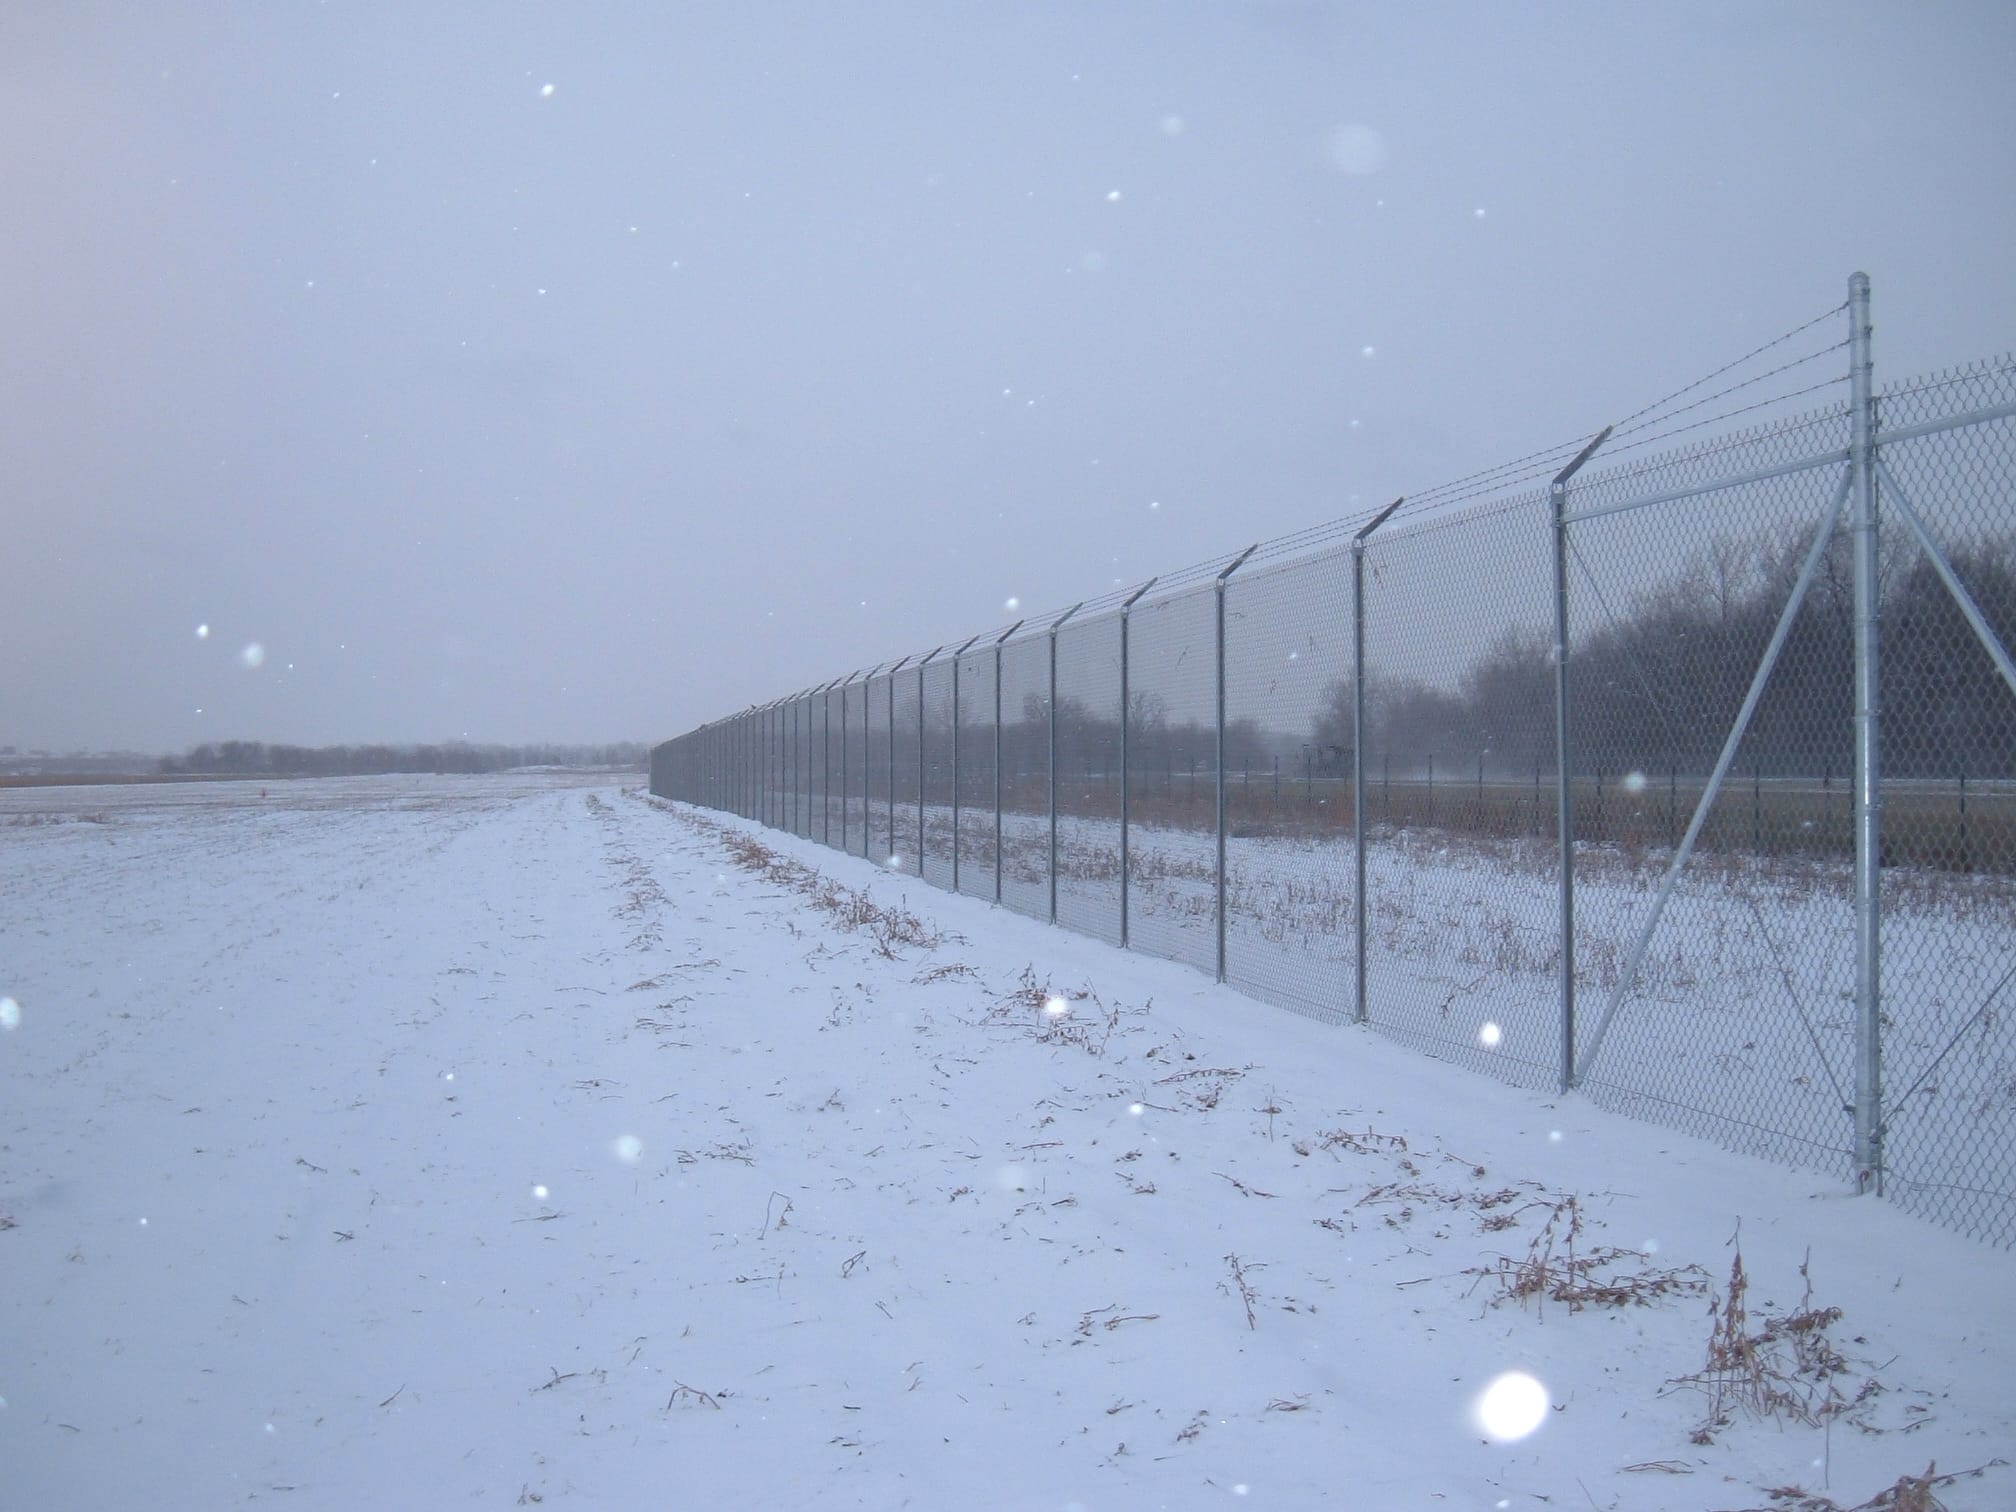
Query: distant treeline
{"x": 1654, "y": 686}
{"x": 254, "y": 758}
{"x": 1660, "y": 686}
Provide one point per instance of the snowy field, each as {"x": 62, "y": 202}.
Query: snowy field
{"x": 521, "y": 1140}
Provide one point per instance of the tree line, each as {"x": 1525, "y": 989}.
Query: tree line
{"x": 1655, "y": 688}
{"x": 255, "y": 758}
{"x": 1660, "y": 686}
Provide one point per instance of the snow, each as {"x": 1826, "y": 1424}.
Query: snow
{"x": 477, "y": 1140}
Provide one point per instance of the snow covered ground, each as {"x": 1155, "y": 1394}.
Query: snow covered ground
{"x": 520, "y": 1139}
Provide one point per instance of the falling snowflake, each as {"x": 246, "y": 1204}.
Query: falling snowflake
{"x": 1512, "y": 1406}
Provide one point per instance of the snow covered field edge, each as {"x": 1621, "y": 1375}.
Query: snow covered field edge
{"x": 517, "y": 1140}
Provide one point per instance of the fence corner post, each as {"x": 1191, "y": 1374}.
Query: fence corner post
{"x": 1868, "y": 764}
{"x": 1359, "y": 1006}
{"x": 1564, "y": 795}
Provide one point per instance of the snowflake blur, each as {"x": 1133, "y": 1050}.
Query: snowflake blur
{"x": 1357, "y": 149}
{"x": 1511, "y": 1407}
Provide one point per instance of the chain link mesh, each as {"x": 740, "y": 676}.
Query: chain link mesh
{"x": 1949, "y": 806}
{"x": 1462, "y": 932}
{"x": 975, "y": 788}
{"x": 1290, "y": 877}
{"x": 936, "y": 803}
{"x": 1740, "y": 1020}
{"x": 1088, "y": 777}
{"x": 1025, "y": 775}
{"x": 1171, "y": 760}
{"x": 1711, "y": 618}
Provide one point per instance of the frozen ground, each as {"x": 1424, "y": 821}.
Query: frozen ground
{"x": 492, "y": 1141}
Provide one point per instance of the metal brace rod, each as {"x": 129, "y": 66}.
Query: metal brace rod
{"x": 1969, "y": 609}
{"x": 1723, "y": 762}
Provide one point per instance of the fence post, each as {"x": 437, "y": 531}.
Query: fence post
{"x": 867, "y": 692}
{"x": 1360, "y": 1007}
{"x": 1563, "y": 795}
{"x": 1055, "y": 626}
{"x": 920, "y": 763}
{"x": 1218, "y": 758}
{"x": 1126, "y": 717}
{"x": 826, "y": 763}
{"x": 845, "y": 800}
{"x": 892, "y": 759}
{"x": 1868, "y": 770}
{"x": 955, "y": 758}
{"x": 999, "y": 641}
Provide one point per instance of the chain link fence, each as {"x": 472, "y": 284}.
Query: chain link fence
{"x": 1686, "y": 780}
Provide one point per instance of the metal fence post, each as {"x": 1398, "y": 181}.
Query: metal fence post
{"x": 1126, "y": 718}
{"x": 1218, "y": 762}
{"x": 826, "y": 764}
{"x": 955, "y": 758}
{"x": 845, "y": 799}
{"x": 999, "y": 641}
{"x": 920, "y": 762}
{"x": 892, "y": 759}
{"x": 1563, "y": 796}
{"x": 1057, "y": 625}
{"x": 1359, "y": 1006}
{"x": 1868, "y": 767}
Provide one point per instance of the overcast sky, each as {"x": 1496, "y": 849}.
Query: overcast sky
{"x": 587, "y": 371}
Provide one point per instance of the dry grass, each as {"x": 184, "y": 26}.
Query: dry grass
{"x": 1787, "y": 1368}
{"x": 1910, "y": 1493}
{"x": 1058, "y": 1016}
{"x": 1556, "y": 1267}
{"x": 891, "y": 927}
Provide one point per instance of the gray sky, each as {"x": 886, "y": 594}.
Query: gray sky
{"x": 587, "y": 371}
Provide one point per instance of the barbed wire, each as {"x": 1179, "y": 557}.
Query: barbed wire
{"x": 1502, "y": 480}
{"x": 1730, "y": 367}
{"x": 1621, "y": 430}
